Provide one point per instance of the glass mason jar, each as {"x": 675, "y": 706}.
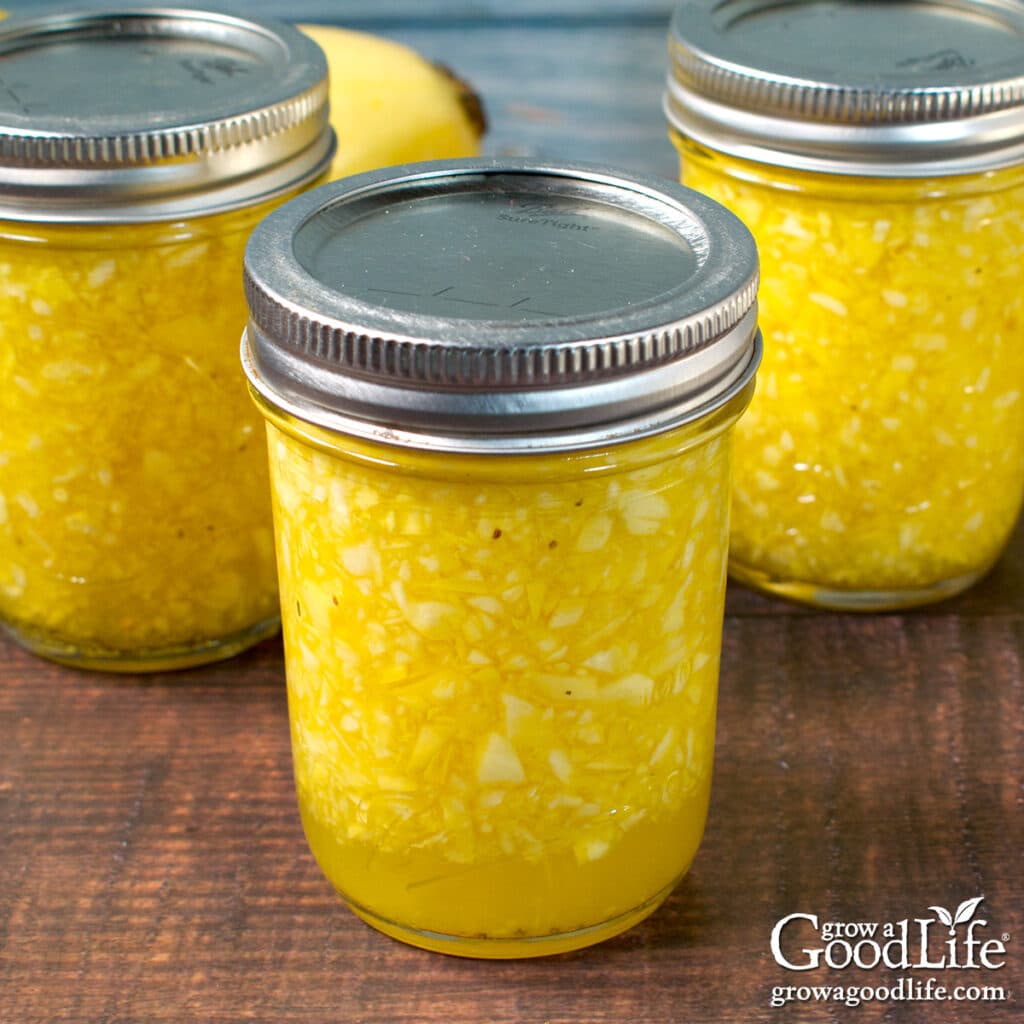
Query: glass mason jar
{"x": 882, "y": 462}
{"x": 135, "y": 524}
{"x": 500, "y": 400}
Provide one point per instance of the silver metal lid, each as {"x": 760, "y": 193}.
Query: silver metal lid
{"x": 873, "y": 87}
{"x": 128, "y": 114}
{"x": 500, "y": 305}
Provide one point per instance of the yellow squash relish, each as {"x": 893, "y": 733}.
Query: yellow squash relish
{"x": 134, "y": 506}
{"x": 502, "y": 675}
{"x": 882, "y": 459}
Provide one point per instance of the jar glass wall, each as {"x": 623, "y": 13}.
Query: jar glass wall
{"x": 881, "y": 463}
{"x": 502, "y": 673}
{"x": 135, "y": 527}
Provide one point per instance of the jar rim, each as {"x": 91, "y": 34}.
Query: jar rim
{"x": 351, "y": 439}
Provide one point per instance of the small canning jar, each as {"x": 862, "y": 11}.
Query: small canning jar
{"x": 138, "y": 148}
{"x": 500, "y": 400}
{"x": 876, "y": 151}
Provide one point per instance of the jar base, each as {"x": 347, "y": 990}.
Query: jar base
{"x": 156, "y": 659}
{"x": 481, "y": 947}
{"x": 852, "y": 600}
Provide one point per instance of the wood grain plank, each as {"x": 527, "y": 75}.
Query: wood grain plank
{"x": 867, "y": 769}
{"x": 586, "y": 93}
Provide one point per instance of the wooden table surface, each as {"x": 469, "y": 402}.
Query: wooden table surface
{"x": 152, "y": 865}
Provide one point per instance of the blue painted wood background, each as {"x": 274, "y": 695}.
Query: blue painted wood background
{"x": 563, "y": 79}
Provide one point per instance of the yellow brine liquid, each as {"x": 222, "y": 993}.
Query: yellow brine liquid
{"x": 502, "y": 675}
{"x": 881, "y": 462}
{"x": 135, "y": 526}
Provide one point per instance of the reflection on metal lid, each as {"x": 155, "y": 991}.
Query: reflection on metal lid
{"x": 490, "y": 298}
{"x": 154, "y": 113}
{"x": 852, "y": 86}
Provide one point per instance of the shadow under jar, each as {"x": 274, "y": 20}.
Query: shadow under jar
{"x": 138, "y": 149}
{"x": 876, "y": 151}
{"x": 500, "y": 400}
